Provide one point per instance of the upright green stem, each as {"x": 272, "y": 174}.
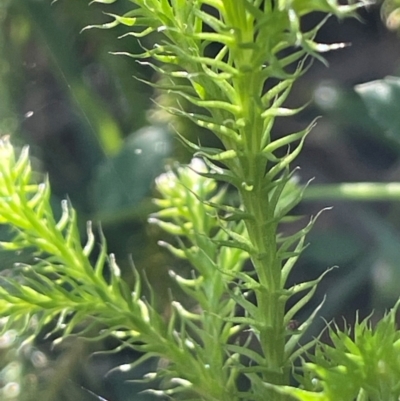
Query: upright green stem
{"x": 364, "y": 191}
{"x": 263, "y": 238}
{"x": 255, "y": 41}
{"x": 262, "y": 234}
{"x": 261, "y": 229}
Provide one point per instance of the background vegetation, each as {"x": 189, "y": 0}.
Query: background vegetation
{"x": 102, "y": 140}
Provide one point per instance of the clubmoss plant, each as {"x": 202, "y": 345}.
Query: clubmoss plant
{"x": 233, "y": 337}
{"x": 361, "y": 364}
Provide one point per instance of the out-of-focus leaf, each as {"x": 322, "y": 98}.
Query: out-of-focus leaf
{"x": 126, "y": 178}
{"x": 386, "y": 269}
{"x": 382, "y": 99}
{"x": 343, "y": 105}
{"x": 336, "y": 247}
{"x": 92, "y": 110}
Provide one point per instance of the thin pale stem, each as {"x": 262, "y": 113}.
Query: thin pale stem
{"x": 366, "y": 191}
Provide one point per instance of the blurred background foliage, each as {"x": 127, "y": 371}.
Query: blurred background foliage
{"x": 97, "y": 133}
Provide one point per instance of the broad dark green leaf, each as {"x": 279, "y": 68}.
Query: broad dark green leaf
{"x": 382, "y": 99}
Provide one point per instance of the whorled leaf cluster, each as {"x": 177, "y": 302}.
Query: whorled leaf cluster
{"x": 235, "y": 61}
{"x": 362, "y": 363}
{"x": 61, "y": 282}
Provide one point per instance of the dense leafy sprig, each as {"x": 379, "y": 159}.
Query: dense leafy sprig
{"x": 235, "y": 61}
{"x": 62, "y": 280}
{"x": 62, "y": 283}
{"x": 221, "y": 56}
{"x": 362, "y": 363}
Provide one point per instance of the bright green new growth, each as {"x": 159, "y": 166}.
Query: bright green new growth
{"x": 362, "y": 364}
{"x": 64, "y": 283}
{"x": 232, "y": 337}
{"x": 258, "y": 43}
{"x": 62, "y": 279}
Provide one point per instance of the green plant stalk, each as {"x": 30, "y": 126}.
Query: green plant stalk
{"x": 364, "y": 191}
{"x": 212, "y": 323}
{"x": 184, "y": 204}
{"x": 262, "y": 233}
{"x": 251, "y": 166}
{"x": 263, "y": 238}
{"x": 247, "y": 88}
{"x": 254, "y": 195}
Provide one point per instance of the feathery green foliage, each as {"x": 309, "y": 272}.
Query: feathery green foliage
{"x": 231, "y": 338}
{"x": 62, "y": 279}
{"x": 258, "y": 43}
{"x": 362, "y": 364}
